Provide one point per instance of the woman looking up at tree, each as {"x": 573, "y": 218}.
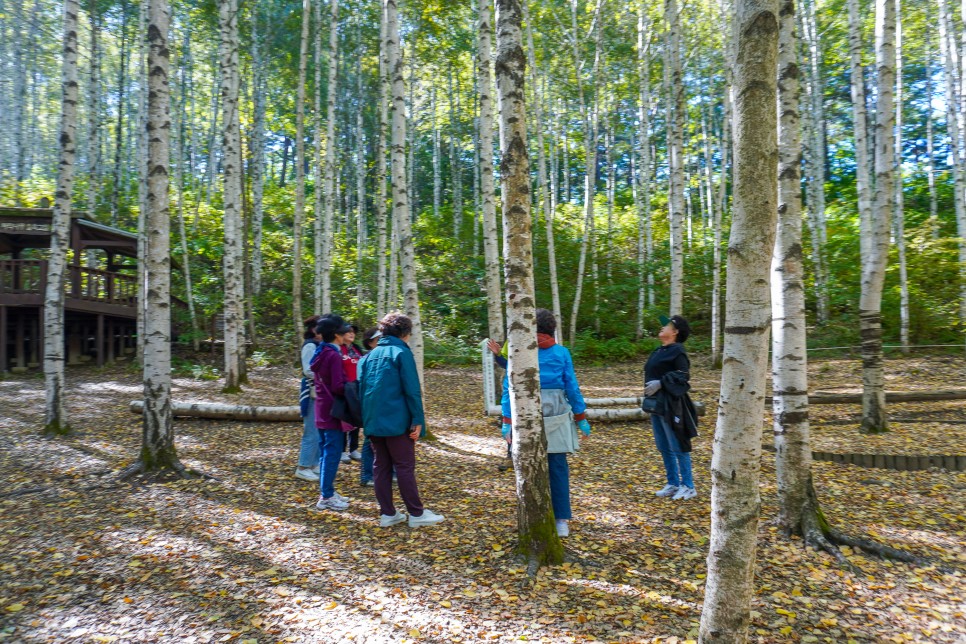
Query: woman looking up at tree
{"x": 560, "y": 395}
{"x": 666, "y": 375}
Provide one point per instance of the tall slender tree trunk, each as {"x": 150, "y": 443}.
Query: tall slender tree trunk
{"x": 874, "y": 419}
{"x": 899, "y": 216}
{"x": 362, "y": 224}
{"x": 330, "y": 160}
{"x": 863, "y": 175}
{"x": 403, "y": 223}
{"x": 318, "y": 171}
{"x": 141, "y": 161}
{"x": 644, "y": 239}
{"x": 676, "y": 107}
{"x": 589, "y": 116}
{"x": 178, "y": 166}
{"x": 789, "y": 359}
{"x": 491, "y": 249}
{"x": 93, "y": 113}
{"x": 542, "y": 184}
{"x": 55, "y": 417}
{"x": 231, "y": 174}
{"x": 258, "y": 153}
{"x": 157, "y": 448}
{"x": 537, "y": 537}
{"x": 381, "y": 286}
{"x": 735, "y": 465}
{"x": 930, "y": 151}
{"x": 119, "y": 132}
{"x": 815, "y": 157}
{"x": 299, "y": 216}
{"x": 956, "y": 129}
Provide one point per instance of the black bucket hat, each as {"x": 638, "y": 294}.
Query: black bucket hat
{"x": 682, "y": 326}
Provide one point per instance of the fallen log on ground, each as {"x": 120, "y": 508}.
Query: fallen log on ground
{"x": 222, "y": 411}
{"x": 823, "y": 398}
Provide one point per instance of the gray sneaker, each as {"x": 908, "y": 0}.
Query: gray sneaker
{"x": 306, "y": 474}
{"x": 386, "y": 521}
{"x": 684, "y": 493}
{"x": 428, "y": 517}
{"x": 667, "y": 490}
{"x": 331, "y": 503}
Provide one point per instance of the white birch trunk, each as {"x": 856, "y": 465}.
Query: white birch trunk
{"x": 93, "y": 114}
{"x": 437, "y": 170}
{"x": 643, "y": 179}
{"x": 675, "y": 128}
{"x": 542, "y": 183}
{"x": 863, "y": 178}
{"x": 157, "y": 449}
{"x": 231, "y": 175}
{"x": 537, "y": 536}
{"x": 407, "y": 263}
{"x": 735, "y": 465}
{"x": 55, "y": 416}
{"x": 874, "y": 419}
{"x": 930, "y": 151}
{"x": 491, "y": 240}
{"x": 900, "y": 232}
{"x": 299, "y": 215}
{"x": 362, "y": 226}
{"x": 330, "y": 160}
{"x": 793, "y": 454}
{"x": 178, "y": 166}
{"x": 258, "y": 153}
{"x": 381, "y": 222}
{"x": 141, "y": 159}
{"x": 318, "y": 171}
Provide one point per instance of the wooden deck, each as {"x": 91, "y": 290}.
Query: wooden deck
{"x": 23, "y": 283}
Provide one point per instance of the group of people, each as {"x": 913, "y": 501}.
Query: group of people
{"x": 384, "y": 375}
{"x": 387, "y": 380}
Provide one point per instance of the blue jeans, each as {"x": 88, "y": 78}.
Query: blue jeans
{"x": 559, "y": 485}
{"x": 309, "y": 451}
{"x": 330, "y": 446}
{"x": 365, "y": 472}
{"x": 677, "y": 464}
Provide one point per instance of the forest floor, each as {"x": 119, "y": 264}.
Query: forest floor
{"x": 242, "y": 557}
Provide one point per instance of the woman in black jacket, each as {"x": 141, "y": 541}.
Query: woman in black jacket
{"x": 666, "y": 376}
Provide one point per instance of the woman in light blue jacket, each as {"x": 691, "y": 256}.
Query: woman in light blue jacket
{"x": 559, "y": 394}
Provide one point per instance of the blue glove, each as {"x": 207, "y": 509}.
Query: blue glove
{"x": 506, "y": 429}
{"x": 584, "y": 426}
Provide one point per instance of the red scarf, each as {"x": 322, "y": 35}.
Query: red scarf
{"x": 545, "y": 341}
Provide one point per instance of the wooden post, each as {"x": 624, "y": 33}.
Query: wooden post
{"x": 37, "y": 342}
{"x": 99, "y": 342}
{"x": 110, "y": 340}
{"x": 18, "y": 350}
{"x": 3, "y": 340}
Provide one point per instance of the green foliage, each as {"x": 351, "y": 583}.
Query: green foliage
{"x": 591, "y": 350}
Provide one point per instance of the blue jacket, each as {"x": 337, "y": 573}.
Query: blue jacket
{"x": 556, "y": 372}
{"x": 392, "y": 400}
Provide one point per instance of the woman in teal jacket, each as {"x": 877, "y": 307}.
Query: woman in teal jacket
{"x": 393, "y": 420}
{"x": 559, "y": 393}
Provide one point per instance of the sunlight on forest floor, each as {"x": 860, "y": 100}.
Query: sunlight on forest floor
{"x": 244, "y": 558}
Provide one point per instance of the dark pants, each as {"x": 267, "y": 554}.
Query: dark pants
{"x": 399, "y": 453}
{"x": 351, "y": 440}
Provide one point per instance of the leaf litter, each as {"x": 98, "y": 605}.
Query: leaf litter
{"x": 242, "y": 558}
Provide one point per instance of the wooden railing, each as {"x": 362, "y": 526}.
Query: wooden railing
{"x": 29, "y": 277}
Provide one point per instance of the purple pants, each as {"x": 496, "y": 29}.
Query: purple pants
{"x": 397, "y": 452}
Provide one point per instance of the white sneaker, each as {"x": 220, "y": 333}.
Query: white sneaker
{"x": 667, "y": 490}
{"x": 331, "y": 503}
{"x": 563, "y": 528}
{"x": 306, "y": 474}
{"x": 684, "y": 493}
{"x": 355, "y": 455}
{"x": 345, "y": 457}
{"x": 344, "y": 499}
{"x": 386, "y": 521}
{"x": 318, "y": 470}
{"x": 428, "y": 517}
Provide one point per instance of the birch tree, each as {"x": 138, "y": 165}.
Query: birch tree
{"x": 157, "y": 447}
{"x": 318, "y": 170}
{"x": 954, "y": 129}
{"x": 383, "y": 125}
{"x": 231, "y": 176}
{"x": 258, "y": 152}
{"x": 400, "y": 196}
{"x": 899, "y": 217}
{"x": 875, "y": 233}
{"x": 299, "y": 215}
{"x": 330, "y": 160}
{"x": 675, "y": 150}
{"x": 735, "y": 465}
{"x": 55, "y": 417}
{"x": 537, "y": 537}
{"x": 644, "y": 241}
{"x": 491, "y": 251}
{"x": 789, "y": 360}
{"x": 93, "y": 111}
